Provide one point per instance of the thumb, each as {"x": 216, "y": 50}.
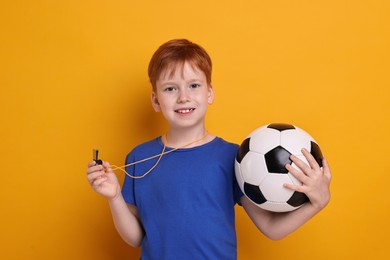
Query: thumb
{"x": 107, "y": 166}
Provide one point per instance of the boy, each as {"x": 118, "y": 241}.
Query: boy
{"x": 184, "y": 207}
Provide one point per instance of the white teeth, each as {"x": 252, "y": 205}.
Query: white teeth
{"x": 183, "y": 111}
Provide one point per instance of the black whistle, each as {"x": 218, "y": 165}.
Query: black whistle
{"x": 95, "y": 155}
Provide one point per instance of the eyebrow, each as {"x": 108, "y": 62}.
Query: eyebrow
{"x": 172, "y": 82}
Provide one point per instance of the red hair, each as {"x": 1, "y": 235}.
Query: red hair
{"x": 175, "y": 53}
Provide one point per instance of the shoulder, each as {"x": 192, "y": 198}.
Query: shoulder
{"x": 150, "y": 143}
{"x": 222, "y": 143}
{"x": 223, "y": 148}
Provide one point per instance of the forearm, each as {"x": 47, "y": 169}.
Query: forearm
{"x": 281, "y": 225}
{"x": 126, "y": 222}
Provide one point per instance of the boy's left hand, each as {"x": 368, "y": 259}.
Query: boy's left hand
{"x": 315, "y": 180}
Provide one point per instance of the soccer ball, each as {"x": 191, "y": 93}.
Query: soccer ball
{"x": 260, "y": 165}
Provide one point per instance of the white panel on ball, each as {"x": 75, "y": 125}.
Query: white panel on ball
{"x": 274, "y": 182}
{"x": 294, "y": 140}
{"x": 254, "y": 167}
{"x": 277, "y": 207}
{"x": 264, "y": 139}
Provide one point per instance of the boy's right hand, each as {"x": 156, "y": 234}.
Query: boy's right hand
{"x": 103, "y": 180}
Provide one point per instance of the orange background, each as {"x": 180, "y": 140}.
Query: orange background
{"x": 73, "y": 77}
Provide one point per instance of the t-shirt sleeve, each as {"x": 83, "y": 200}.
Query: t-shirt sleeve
{"x": 236, "y": 188}
{"x": 237, "y": 192}
{"x": 128, "y": 183}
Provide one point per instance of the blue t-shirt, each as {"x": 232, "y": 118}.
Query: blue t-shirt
{"x": 186, "y": 204}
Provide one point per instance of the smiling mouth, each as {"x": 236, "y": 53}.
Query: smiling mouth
{"x": 184, "y": 111}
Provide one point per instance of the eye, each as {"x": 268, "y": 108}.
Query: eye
{"x": 194, "y": 85}
{"x": 169, "y": 89}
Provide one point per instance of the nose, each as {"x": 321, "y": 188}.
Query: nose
{"x": 183, "y": 96}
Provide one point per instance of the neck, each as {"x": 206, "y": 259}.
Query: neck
{"x": 188, "y": 139}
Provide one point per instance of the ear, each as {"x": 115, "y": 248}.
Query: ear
{"x": 155, "y": 103}
{"x": 210, "y": 99}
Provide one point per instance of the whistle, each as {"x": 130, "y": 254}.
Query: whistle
{"x": 95, "y": 155}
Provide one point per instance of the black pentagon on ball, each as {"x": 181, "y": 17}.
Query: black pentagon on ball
{"x": 254, "y": 193}
{"x": 297, "y": 199}
{"x": 276, "y": 160}
{"x": 243, "y": 150}
{"x": 281, "y": 126}
{"x": 316, "y": 152}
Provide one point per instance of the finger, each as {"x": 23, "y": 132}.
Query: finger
{"x": 290, "y": 186}
{"x": 107, "y": 167}
{"x": 300, "y": 164}
{"x": 106, "y": 164}
{"x": 91, "y": 163}
{"x": 326, "y": 168}
{"x": 94, "y": 168}
{"x": 299, "y": 175}
{"x": 95, "y": 175}
{"x": 310, "y": 159}
{"x": 99, "y": 181}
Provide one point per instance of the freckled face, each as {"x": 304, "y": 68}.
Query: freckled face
{"x": 183, "y": 97}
